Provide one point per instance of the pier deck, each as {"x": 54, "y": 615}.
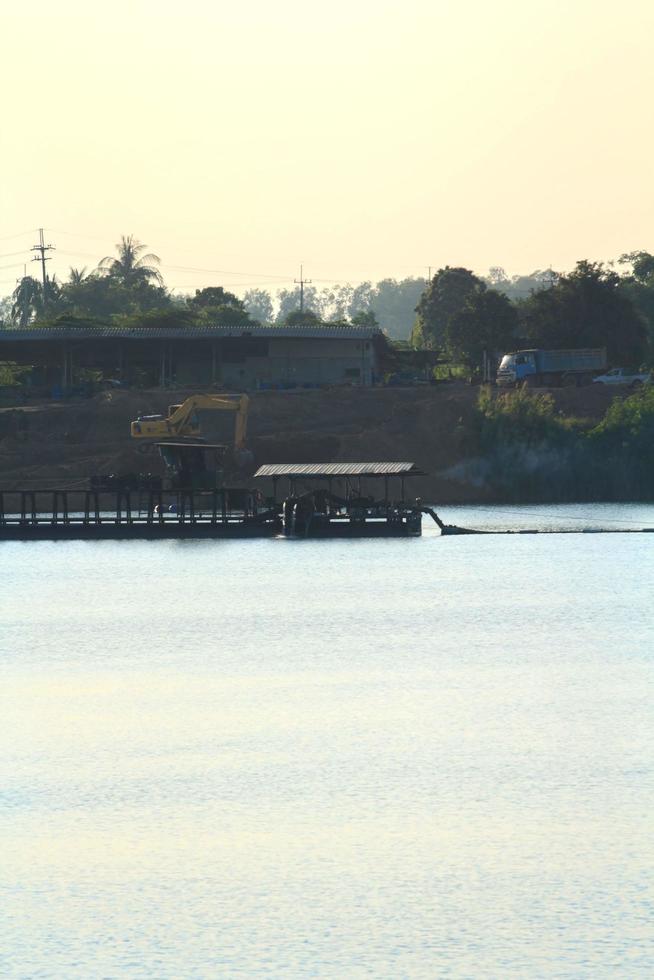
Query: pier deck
{"x": 66, "y": 515}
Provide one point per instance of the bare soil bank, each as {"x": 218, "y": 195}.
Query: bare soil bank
{"x": 61, "y": 444}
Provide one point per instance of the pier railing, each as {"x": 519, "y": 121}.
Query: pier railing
{"x": 117, "y": 507}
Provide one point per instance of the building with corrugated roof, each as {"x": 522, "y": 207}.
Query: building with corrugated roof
{"x": 252, "y": 357}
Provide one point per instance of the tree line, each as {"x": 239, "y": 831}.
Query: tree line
{"x": 129, "y": 286}
{"x": 592, "y": 306}
{"x": 457, "y": 312}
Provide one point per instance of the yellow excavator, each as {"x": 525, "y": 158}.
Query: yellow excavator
{"x": 182, "y": 422}
{"x": 190, "y": 461}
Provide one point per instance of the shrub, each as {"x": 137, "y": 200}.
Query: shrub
{"x": 519, "y": 416}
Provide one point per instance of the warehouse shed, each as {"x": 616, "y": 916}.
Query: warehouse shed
{"x": 253, "y": 357}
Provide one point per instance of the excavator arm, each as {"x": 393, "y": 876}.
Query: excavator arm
{"x": 182, "y": 419}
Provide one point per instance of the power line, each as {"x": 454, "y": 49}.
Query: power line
{"x": 233, "y": 285}
{"x": 19, "y": 234}
{"x": 347, "y": 282}
{"x": 260, "y": 278}
{"x": 104, "y": 238}
{"x": 263, "y": 277}
{"x": 223, "y": 272}
{"x": 8, "y": 255}
{"x": 75, "y": 234}
{"x": 84, "y": 255}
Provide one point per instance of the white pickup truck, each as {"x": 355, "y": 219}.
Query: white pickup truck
{"x": 623, "y": 376}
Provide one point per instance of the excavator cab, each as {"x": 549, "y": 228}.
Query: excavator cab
{"x": 193, "y": 466}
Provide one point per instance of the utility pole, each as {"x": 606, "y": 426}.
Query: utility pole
{"x": 303, "y": 282}
{"x": 42, "y": 248}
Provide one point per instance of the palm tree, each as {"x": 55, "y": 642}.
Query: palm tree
{"x": 28, "y": 298}
{"x": 131, "y": 267}
{"x": 27, "y": 301}
{"x": 76, "y": 276}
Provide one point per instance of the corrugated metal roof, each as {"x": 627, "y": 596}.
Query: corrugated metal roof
{"x": 311, "y": 470}
{"x": 181, "y": 332}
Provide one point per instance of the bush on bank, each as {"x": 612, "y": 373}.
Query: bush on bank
{"x": 533, "y": 453}
{"x": 622, "y": 446}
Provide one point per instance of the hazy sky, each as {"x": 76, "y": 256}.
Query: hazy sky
{"x": 363, "y": 138}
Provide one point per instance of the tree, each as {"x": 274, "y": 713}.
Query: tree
{"x": 361, "y": 299}
{"x": 215, "y": 305}
{"x": 641, "y": 296}
{"x": 446, "y": 295}
{"x": 259, "y": 305}
{"x": 642, "y": 265}
{"x": 76, "y": 276}
{"x": 27, "y": 300}
{"x": 331, "y": 303}
{"x": 5, "y": 310}
{"x": 365, "y": 318}
{"x": 335, "y": 301}
{"x": 520, "y": 287}
{"x": 132, "y": 267}
{"x": 394, "y": 302}
{"x": 487, "y": 322}
{"x": 497, "y": 277}
{"x": 212, "y": 296}
{"x": 171, "y": 317}
{"x": 289, "y": 302}
{"x": 103, "y": 296}
{"x": 302, "y": 318}
{"x": 586, "y": 308}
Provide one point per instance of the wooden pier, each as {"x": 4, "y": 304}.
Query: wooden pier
{"x": 65, "y": 515}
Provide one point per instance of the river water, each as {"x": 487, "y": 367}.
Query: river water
{"x": 420, "y": 758}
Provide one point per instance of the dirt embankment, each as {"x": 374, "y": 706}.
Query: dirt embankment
{"x": 62, "y": 444}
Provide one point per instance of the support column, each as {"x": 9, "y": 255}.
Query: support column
{"x": 162, "y": 367}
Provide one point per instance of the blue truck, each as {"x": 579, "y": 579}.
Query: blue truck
{"x": 551, "y": 368}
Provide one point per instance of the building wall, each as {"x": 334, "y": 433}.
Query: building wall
{"x": 299, "y": 362}
{"x": 233, "y": 361}
{"x": 290, "y": 361}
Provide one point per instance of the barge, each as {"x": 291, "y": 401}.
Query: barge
{"x": 331, "y": 500}
{"x": 322, "y": 500}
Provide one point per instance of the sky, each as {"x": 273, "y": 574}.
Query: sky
{"x": 362, "y": 139}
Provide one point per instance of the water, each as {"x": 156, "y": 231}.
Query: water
{"x": 421, "y": 758}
